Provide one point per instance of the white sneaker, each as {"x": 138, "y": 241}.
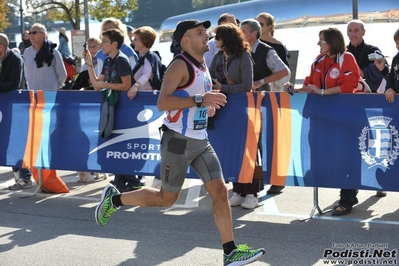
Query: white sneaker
{"x": 236, "y": 200}
{"x": 157, "y": 184}
{"x": 250, "y": 202}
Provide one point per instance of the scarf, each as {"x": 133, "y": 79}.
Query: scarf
{"x": 45, "y": 54}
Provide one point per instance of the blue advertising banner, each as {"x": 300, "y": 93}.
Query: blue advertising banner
{"x": 340, "y": 141}
{"x": 14, "y": 126}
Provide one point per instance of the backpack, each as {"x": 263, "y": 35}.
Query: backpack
{"x": 158, "y": 69}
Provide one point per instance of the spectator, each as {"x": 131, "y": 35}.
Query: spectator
{"x": 25, "y": 43}
{"x": 12, "y": 77}
{"x": 266, "y": 22}
{"x": 113, "y": 23}
{"x": 268, "y": 67}
{"x": 327, "y": 77}
{"x": 63, "y": 46}
{"x": 392, "y": 86}
{"x": 93, "y": 45}
{"x": 130, "y": 30}
{"x": 69, "y": 60}
{"x": 231, "y": 67}
{"x": 184, "y": 142}
{"x": 143, "y": 39}
{"x": 126, "y": 49}
{"x": 373, "y": 76}
{"x": 116, "y": 76}
{"x": 83, "y": 80}
{"x": 232, "y": 72}
{"x": 45, "y": 69}
{"x": 224, "y": 18}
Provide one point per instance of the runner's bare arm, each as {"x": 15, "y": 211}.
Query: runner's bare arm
{"x": 177, "y": 75}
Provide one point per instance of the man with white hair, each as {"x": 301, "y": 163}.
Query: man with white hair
{"x": 361, "y": 51}
{"x": 45, "y": 68}
{"x": 369, "y": 69}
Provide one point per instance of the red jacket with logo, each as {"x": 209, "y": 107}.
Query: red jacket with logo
{"x": 326, "y": 73}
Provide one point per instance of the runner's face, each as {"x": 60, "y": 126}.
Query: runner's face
{"x": 198, "y": 38}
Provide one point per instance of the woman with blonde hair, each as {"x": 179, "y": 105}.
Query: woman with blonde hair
{"x": 266, "y": 21}
{"x": 114, "y": 23}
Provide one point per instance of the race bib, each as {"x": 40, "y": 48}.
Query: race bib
{"x": 200, "y": 118}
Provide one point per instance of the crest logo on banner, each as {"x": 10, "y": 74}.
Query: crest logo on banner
{"x": 379, "y": 142}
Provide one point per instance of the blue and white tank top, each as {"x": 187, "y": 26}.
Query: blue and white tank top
{"x": 191, "y": 122}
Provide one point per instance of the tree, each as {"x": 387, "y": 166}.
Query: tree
{"x": 4, "y": 23}
{"x": 72, "y": 10}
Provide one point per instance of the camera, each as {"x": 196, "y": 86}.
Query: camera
{"x": 375, "y": 56}
{"x": 85, "y": 46}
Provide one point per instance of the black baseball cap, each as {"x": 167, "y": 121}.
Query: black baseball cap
{"x": 186, "y": 25}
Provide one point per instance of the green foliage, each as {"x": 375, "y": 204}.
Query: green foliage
{"x": 135, "y": 12}
{"x": 73, "y": 10}
{"x": 4, "y": 23}
{"x": 100, "y": 10}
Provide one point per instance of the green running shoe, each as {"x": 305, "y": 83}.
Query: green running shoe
{"x": 105, "y": 208}
{"x": 242, "y": 255}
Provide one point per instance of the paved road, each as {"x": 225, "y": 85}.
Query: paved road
{"x": 59, "y": 229}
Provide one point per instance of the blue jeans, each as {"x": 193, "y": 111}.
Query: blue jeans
{"x": 24, "y": 173}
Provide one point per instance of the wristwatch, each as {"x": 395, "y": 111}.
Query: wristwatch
{"x": 198, "y": 99}
{"x": 262, "y": 81}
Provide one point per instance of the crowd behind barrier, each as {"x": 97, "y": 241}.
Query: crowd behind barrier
{"x": 305, "y": 141}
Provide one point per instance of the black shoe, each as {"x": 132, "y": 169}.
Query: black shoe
{"x": 340, "y": 210}
{"x": 275, "y": 189}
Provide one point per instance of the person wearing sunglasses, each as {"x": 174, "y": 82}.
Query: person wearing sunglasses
{"x": 45, "y": 68}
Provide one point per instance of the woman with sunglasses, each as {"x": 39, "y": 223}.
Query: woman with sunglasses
{"x": 334, "y": 71}
{"x": 232, "y": 67}
{"x": 232, "y": 72}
